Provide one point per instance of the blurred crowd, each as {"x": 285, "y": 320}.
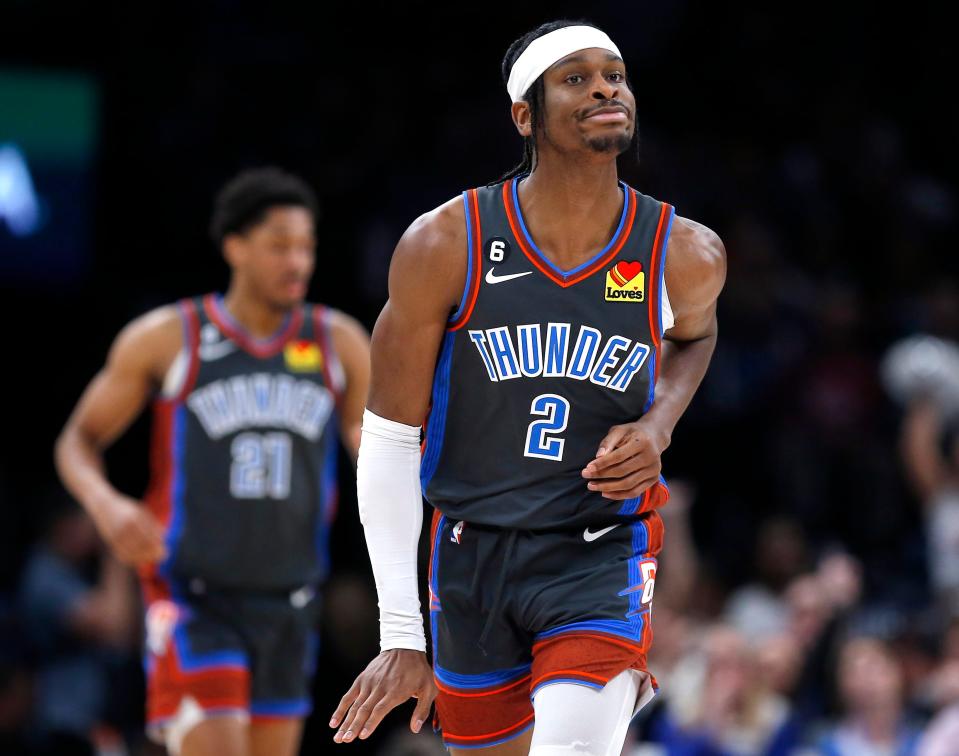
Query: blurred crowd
{"x": 807, "y": 597}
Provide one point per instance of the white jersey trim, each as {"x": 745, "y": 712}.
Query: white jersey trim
{"x": 666, "y": 309}
{"x": 176, "y": 375}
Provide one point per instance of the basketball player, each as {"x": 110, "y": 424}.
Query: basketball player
{"x": 247, "y": 391}
{"x": 531, "y": 320}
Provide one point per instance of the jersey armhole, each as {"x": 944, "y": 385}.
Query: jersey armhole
{"x": 181, "y": 375}
{"x": 333, "y": 373}
{"x": 658, "y": 302}
{"x": 665, "y": 308}
{"x": 473, "y": 262}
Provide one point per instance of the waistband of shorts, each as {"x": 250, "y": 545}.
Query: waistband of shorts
{"x": 575, "y": 527}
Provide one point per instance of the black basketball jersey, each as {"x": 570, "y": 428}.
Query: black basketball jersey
{"x": 244, "y": 453}
{"x": 539, "y": 363}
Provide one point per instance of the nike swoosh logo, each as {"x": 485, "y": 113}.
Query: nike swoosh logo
{"x": 210, "y": 352}
{"x": 588, "y": 536}
{"x": 492, "y": 278}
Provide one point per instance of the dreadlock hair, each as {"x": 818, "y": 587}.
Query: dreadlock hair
{"x": 244, "y": 201}
{"x": 535, "y": 95}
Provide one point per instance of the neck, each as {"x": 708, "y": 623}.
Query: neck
{"x": 571, "y": 208}
{"x": 257, "y": 317}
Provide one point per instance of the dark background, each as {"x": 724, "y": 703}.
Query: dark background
{"x": 819, "y": 142}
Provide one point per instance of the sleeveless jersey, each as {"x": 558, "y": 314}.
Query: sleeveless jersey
{"x": 244, "y": 454}
{"x": 538, "y": 364}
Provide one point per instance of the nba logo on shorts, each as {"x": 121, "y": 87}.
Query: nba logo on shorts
{"x": 160, "y": 620}
{"x": 457, "y": 532}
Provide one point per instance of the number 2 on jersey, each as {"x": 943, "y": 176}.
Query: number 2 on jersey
{"x": 261, "y": 466}
{"x": 540, "y": 439}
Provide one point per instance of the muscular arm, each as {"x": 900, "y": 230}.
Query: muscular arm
{"x": 114, "y": 398}
{"x": 695, "y": 273}
{"x": 628, "y": 459}
{"x": 427, "y": 277}
{"x": 352, "y": 345}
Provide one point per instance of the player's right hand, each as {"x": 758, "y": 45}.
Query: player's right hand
{"x": 389, "y": 680}
{"x": 131, "y": 531}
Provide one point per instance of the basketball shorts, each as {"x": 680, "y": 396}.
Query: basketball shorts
{"x": 252, "y": 655}
{"x": 512, "y": 611}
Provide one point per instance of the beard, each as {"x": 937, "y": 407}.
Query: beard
{"x": 617, "y": 144}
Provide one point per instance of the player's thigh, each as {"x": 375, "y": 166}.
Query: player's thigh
{"x": 217, "y": 736}
{"x": 518, "y": 746}
{"x": 576, "y": 719}
{"x": 278, "y": 738}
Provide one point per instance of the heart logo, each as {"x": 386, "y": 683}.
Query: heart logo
{"x": 624, "y": 272}
{"x": 629, "y": 270}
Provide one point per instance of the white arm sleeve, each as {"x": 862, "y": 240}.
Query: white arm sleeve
{"x": 391, "y": 510}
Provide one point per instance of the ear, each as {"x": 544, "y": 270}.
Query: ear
{"x": 233, "y": 248}
{"x": 522, "y": 118}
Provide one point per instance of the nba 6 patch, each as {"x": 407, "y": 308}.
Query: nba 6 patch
{"x": 626, "y": 282}
{"x": 303, "y": 356}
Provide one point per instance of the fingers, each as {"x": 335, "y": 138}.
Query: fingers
{"x": 422, "y": 710}
{"x": 151, "y": 546}
{"x": 615, "y": 436}
{"x": 626, "y": 483}
{"x": 138, "y": 539}
{"x": 364, "y": 716}
{"x": 378, "y": 710}
{"x": 628, "y": 447}
{"x": 141, "y": 546}
{"x": 627, "y": 488}
{"x": 346, "y": 732}
{"x": 375, "y": 693}
{"x": 645, "y": 460}
{"x": 136, "y": 551}
{"x": 348, "y": 698}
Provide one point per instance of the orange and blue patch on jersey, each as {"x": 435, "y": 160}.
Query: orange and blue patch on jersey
{"x": 303, "y": 356}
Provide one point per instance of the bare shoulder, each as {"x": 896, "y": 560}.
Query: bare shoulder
{"x": 440, "y": 227}
{"x": 149, "y": 343}
{"x": 695, "y": 262}
{"x": 433, "y": 252}
{"x": 346, "y": 329}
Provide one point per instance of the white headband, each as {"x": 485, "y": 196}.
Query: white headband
{"x": 546, "y": 50}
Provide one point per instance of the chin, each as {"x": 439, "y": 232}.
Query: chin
{"x": 284, "y": 303}
{"x": 615, "y": 144}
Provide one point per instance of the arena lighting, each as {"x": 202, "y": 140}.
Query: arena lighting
{"x": 19, "y": 204}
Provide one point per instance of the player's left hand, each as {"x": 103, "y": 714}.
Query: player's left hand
{"x": 627, "y": 461}
{"x": 390, "y": 679}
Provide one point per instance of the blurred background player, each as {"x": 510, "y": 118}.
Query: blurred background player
{"x": 248, "y": 390}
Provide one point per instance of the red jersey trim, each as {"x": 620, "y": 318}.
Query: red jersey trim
{"x": 256, "y": 348}
{"x": 476, "y": 262}
{"x": 656, "y": 274}
{"x": 512, "y": 215}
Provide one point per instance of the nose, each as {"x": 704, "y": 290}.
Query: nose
{"x": 301, "y": 258}
{"x": 603, "y": 89}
